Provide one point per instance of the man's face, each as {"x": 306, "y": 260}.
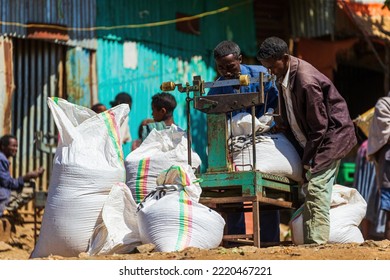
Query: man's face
{"x": 277, "y": 67}
{"x": 158, "y": 114}
{"x": 11, "y": 149}
{"x": 229, "y": 66}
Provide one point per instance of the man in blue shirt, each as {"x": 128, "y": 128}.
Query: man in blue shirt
{"x": 228, "y": 58}
{"x": 8, "y": 149}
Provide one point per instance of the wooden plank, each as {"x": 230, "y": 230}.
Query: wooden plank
{"x": 256, "y": 224}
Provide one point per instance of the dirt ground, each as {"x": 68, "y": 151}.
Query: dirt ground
{"x": 21, "y": 244}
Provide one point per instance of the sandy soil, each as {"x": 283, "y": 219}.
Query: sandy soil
{"x": 21, "y": 243}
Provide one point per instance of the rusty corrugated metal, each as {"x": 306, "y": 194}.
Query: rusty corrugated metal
{"x": 79, "y": 79}
{"x": 79, "y": 16}
{"x": 32, "y": 71}
{"x": 6, "y": 84}
{"x": 312, "y": 18}
{"x": 36, "y": 74}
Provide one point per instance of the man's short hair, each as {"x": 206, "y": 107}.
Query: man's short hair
{"x": 272, "y": 47}
{"x": 122, "y": 98}
{"x": 225, "y": 48}
{"x": 4, "y": 141}
{"x": 164, "y": 100}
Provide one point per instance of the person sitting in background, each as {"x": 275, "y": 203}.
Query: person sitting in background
{"x": 8, "y": 149}
{"x": 163, "y": 105}
{"x": 98, "y": 108}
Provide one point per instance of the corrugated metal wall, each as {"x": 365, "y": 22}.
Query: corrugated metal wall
{"x": 38, "y": 72}
{"x": 15, "y": 14}
{"x": 164, "y": 53}
{"x": 152, "y": 21}
{"x": 151, "y": 68}
{"x": 42, "y": 68}
{"x": 312, "y": 18}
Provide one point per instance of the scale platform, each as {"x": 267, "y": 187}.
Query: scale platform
{"x": 247, "y": 191}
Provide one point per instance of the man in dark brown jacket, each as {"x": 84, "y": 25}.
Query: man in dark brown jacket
{"x": 317, "y": 116}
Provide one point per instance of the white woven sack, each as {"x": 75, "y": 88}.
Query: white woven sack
{"x": 274, "y": 154}
{"x": 241, "y": 124}
{"x": 348, "y": 209}
{"x": 118, "y": 232}
{"x": 87, "y": 162}
{"x": 172, "y": 221}
{"x": 182, "y": 175}
{"x": 159, "y": 151}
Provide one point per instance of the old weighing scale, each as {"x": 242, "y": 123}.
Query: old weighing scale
{"x": 223, "y": 188}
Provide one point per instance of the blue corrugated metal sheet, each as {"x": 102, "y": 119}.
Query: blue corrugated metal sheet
{"x": 152, "y": 68}
{"x": 78, "y": 76}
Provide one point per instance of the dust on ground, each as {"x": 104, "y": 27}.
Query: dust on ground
{"x": 21, "y": 244}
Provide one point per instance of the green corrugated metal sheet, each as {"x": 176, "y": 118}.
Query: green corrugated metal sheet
{"x": 165, "y": 54}
{"x": 219, "y": 20}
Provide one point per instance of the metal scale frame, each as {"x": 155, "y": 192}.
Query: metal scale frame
{"x": 223, "y": 188}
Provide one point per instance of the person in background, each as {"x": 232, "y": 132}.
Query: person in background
{"x": 228, "y": 58}
{"x": 316, "y": 117}
{"x": 136, "y": 143}
{"x": 378, "y": 150}
{"x": 364, "y": 182}
{"x": 163, "y": 105}
{"x": 124, "y": 98}
{"x": 98, "y": 108}
{"x": 8, "y": 149}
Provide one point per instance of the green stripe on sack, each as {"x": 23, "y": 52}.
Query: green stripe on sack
{"x": 112, "y": 132}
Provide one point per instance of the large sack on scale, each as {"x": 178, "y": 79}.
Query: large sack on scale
{"x": 275, "y": 154}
